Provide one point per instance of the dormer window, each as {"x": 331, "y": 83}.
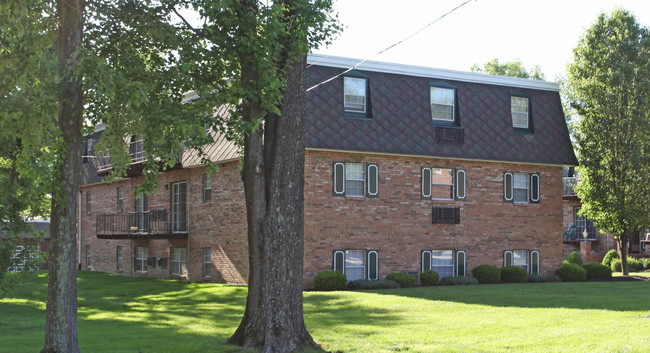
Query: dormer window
{"x": 519, "y": 109}
{"x": 355, "y": 94}
{"x": 443, "y": 104}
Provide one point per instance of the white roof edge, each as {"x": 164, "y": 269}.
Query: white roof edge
{"x": 402, "y": 69}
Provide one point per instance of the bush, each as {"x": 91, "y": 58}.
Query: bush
{"x": 403, "y": 279}
{"x": 514, "y": 274}
{"x": 574, "y": 258}
{"x": 458, "y": 280}
{"x": 486, "y": 274}
{"x": 645, "y": 262}
{"x": 330, "y": 280}
{"x": 596, "y": 270}
{"x": 543, "y": 279}
{"x": 633, "y": 265}
{"x": 571, "y": 273}
{"x": 611, "y": 255}
{"x": 372, "y": 284}
{"x": 430, "y": 278}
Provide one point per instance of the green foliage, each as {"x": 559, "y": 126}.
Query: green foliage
{"x": 543, "y": 279}
{"x": 633, "y": 264}
{"x": 486, "y": 274}
{"x": 458, "y": 281}
{"x": 645, "y": 262}
{"x": 571, "y": 273}
{"x": 403, "y": 279}
{"x": 372, "y": 284}
{"x": 430, "y": 278}
{"x": 511, "y": 68}
{"x": 611, "y": 255}
{"x": 574, "y": 258}
{"x": 514, "y": 274}
{"x": 330, "y": 280}
{"x": 596, "y": 270}
{"x": 609, "y": 82}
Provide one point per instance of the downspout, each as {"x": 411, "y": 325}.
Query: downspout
{"x": 187, "y": 223}
{"x": 79, "y": 230}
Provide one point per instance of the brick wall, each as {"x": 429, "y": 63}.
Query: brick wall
{"x": 397, "y": 224}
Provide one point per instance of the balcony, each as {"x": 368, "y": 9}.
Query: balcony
{"x": 568, "y": 186}
{"x": 152, "y": 224}
{"x": 575, "y": 232}
{"x": 138, "y": 156}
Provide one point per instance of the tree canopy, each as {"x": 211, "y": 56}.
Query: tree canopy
{"x": 609, "y": 81}
{"x": 510, "y": 68}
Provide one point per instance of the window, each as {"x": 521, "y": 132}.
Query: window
{"x": 207, "y": 188}
{"x": 442, "y": 104}
{"x": 119, "y": 258}
{"x": 207, "y": 262}
{"x": 17, "y": 260}
{"x": 88, "y": 147}
{"x": 141, "y": 253}
{"x": 120, "y": 198}
{"x": 88, "y": 201}
{"x": 179, "y": 261}
{"x": 443, "y": 183}
{"x": 140, "y": 219}
{"x": 179, "y": 207}
{"x": 356, "y": 179}
{"x": 526, "y": 259}
{"x": 519, "y": 109}
{"x": 445, "y": 262}
{"x": 521, "y": 187}
{"x": 88, "y": 256}
{"x": 581, "y": 223}
{"x": 357, "y": 264}
{"x": 355, "y": 94}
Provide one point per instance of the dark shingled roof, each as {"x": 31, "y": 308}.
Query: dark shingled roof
{"x": 401, "y": 120}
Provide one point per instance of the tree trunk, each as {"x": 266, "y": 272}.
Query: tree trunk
{"x": 61, "y": 313}
{"x": 273, "y": 176}
{"x": 623, "y": 243}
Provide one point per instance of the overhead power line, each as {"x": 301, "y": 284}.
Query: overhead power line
{"x": 387, "y": 48}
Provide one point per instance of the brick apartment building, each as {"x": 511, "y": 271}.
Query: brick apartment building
{"x": 407, "y": 169}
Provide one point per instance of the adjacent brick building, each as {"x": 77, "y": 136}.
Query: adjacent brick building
{"x": 407, "y": 169}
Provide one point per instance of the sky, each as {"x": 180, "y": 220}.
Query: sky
{"x": 540, "y": 33}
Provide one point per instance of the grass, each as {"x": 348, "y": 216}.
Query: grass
{"x": 121, "y": 314}
{"x": 640, "y": 274}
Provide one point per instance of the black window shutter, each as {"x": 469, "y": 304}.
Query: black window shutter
{"x": 460, "y": 263}
{"x": 426, "y": 182}
{"x": 426, "y": 260}
{"x": 339, "y": 179}
{"x": 373, "y": 180}
{"x": 534, "y": 262}
{"x": 461, "y": 184}
{"x": 507, "y": 258}
{"x": 508, "y": 187}
{"x": 534, "y": 188}
{"x": 339, "y": 261}
{"x": 373, "y": 265}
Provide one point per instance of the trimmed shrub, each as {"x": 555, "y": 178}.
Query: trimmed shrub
{"x": 458, "y": 281}
{"x": 403, "y": 279}
{"x": 645, "y": 262}
{"x": 571, "y": 273}
{"x": 372, "y": 284}
{"x": 514, "y": 274}
{"x": 486, "y": 274}
{"x": 611, "y": 255}
{"x": 596, "y": 270}
{"x": 330, "y": 280}
{"x": 633, "y": 265}
{"x": 543, "y": 279}
{"x": 574, "y": 258}
{"x": 430, "y": 278}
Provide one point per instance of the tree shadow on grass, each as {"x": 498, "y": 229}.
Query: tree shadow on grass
{"x": 614, "y": 296}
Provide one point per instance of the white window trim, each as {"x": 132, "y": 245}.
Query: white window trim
{"x": 505, "y": 187}
{"x": 527, "y": 257}
{"x": 177, "y": 226}
{"x": 429, "y": 255}
{"x": 343, "y": 253}
{"x": 458, "y": 172}
{"x": 178, "y": 252}
{"x": 206, "y": 263}
{"x": 464, "y": 262}
{"x": 368, "y": 264}
{"x": 430, "y": 182}
{"x": 512, "y": 257}
{"x": 376, "y": 179}
{"x": 453, "y": 106}
{"x": 530, "y": 262}
{"x": 530, "y": 187}
{"x": 527, "y": 113}
{"x": 362, "y": 179}
{"x": 516, "y": 188}
{"x": 365, "y": 265}
{"x": 207, "y": 185}
{"x": 365, "y": 96}
{"x": 342, "y": 191}
{"x": 143, "y": 260}
{"x": 453, "y": 261}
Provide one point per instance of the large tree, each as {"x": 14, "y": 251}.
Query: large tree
{"x": 510, "y": 68}
{"x": 260, "y": 49}
{"x": 609, "y": 80}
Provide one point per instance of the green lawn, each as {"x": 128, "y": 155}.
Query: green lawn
{"x": 121, "y": 314}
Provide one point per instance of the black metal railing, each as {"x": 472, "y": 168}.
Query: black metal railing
{"x": 147, "y": 222}
{"x": 568, "y": 186}
{"x": 573, "y": 232}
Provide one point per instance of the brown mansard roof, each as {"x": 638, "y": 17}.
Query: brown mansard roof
{"x": 401, "y": 115}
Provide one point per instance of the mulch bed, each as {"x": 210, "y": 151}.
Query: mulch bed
{"x": 621, "y": 279}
